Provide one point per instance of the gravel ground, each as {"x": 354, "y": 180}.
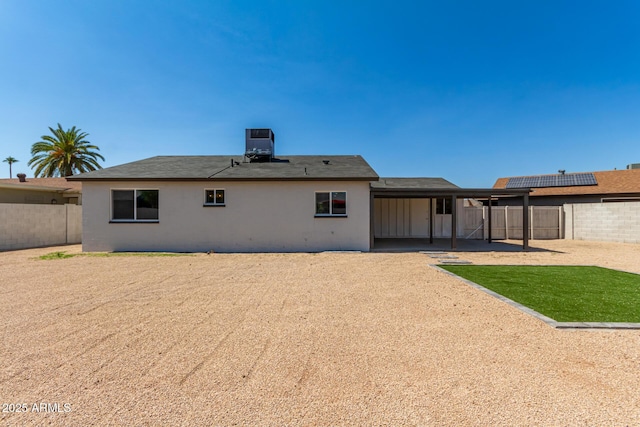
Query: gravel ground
{"x": 301, "y": 339}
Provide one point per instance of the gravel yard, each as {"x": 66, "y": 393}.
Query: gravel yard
{"x": 300, "y": 339}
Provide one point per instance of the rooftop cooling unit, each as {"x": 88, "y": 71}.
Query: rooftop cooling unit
{"x": 259, "y": 145}
{"x": 633, "y": 166}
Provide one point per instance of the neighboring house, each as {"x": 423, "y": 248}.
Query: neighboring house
{"x": 584, "y": 187}
{"x": 259, "y": 203}
{"x": 38, "y": 212}
{"x": 40, "y": 191}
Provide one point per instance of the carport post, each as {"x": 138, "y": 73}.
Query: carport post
{"x": 371, "y": 220}
{"x": 489, "y": 220}
{"x": 431, "y": 222}
{"x": 525, "y": 222}
{"x": 454, "y": 215}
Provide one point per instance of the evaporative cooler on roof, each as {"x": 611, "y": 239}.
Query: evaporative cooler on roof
{"x": 562, "y": 180}
{"x": 259, "y": 145}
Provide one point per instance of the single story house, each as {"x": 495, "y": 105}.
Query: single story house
{"x": 584, "y": 187}
{"x": 40, "y": 191}
{"x": 257, "y": 202}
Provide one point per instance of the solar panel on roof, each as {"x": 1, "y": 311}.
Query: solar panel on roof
{"x": 586, "y": 179}
{"x": 517, "y": 182}
{"x": 547, "y": 181}
{"x": 539, "y": 181}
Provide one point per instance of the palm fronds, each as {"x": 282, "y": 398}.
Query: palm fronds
{"x": 64, "y": 153}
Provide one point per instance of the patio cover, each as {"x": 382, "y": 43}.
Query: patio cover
{"x": 440, "y": 188}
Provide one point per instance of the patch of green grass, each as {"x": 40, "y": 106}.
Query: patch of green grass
{"x": 62, "y": 255}
{"x": 55, "y": 255}
{"x": 143, "y": 254}
{"x": 563, "y": 293}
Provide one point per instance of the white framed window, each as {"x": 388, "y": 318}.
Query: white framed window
{"x": 134, "y": 205}
{"x": 331, "y": 203}
{"x": 214, "y": 197}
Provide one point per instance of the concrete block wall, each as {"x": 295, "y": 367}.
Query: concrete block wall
{"x": 32, "y": 225}
{"x": 608, "y": 222}
{"x": 74, "y": 223}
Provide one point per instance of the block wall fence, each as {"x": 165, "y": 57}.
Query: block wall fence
{"x": 30, "y": 225}
{"x": 608, "y": 222}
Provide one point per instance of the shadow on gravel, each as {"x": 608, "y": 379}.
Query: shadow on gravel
{"x": 463, "y": 245}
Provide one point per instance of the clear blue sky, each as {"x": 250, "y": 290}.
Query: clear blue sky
{"x": 466, "y": 90}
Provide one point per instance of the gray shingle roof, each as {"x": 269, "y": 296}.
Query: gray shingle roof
{"x": 412, "y": 183}
{"x": 434, "y": 187}
{"x": 219, "y": 168}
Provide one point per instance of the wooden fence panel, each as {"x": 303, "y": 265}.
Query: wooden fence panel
{"x": 514, "y": 218}
{"x": 473, "y": 223}
{"x": 498, "y": 223}
{"x": 545, "y": 222}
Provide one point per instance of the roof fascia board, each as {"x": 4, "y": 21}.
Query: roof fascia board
{"x": 33, "y": 188}
{"x": 368, "y": 179}
{"x": 564, "y": 196}
{"x": 463, "y": 192}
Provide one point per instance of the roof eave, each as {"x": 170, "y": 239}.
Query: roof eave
{"x": 461, "y": 192}
{"x": 34, "y": 188}
{"x": 205, "y": 179}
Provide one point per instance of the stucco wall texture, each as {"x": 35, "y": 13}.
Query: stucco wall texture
{"x": 257, "y": 217}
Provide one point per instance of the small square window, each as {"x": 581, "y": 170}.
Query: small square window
{"x": 214, "y": 197}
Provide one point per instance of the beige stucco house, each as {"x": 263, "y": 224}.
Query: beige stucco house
{"x": 256, "y": 202}
{"x": 222, "y": 203}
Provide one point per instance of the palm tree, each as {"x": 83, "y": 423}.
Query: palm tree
{"x": 64, "y": 153}
{"x": 11, "y": 161}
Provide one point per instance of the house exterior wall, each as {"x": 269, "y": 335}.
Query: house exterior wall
{"x": 32, "y": 225}
{"x": 259, "y": 216}
{"x": 409, "y": 218}
{"x": 609, "y": 222}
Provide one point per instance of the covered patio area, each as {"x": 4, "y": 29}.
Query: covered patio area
{"x": 427, "y": 210}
